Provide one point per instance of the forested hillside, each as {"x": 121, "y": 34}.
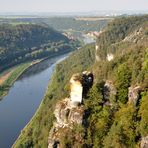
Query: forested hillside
{"x": 74, "y": 27}
{"x": 76, "y": 24}
{"x": 117, "y": 101}
{"x": 63, "y": 23}
{"x": 121, "y": 33}
{"x": 116, "y": 112}
{"x": 22, "y": 42}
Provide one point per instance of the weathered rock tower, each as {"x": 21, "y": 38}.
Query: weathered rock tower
{"x": 80, "y": 84}
{"x": 70, "y": 111}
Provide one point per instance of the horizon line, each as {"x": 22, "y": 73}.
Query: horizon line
{"x": 73, "y": 11}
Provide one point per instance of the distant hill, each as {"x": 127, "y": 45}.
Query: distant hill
{"x": 22, "y": 42}
{"x": 75, "y": 27}
{"x": 63, "y": 23}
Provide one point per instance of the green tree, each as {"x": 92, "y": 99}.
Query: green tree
{"x": 143, "y": 114}
{"x": 123, "y": 79}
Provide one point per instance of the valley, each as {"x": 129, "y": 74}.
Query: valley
{"x": 25, "y": 76}
{"x": 24, "y": 98}
{"x": 114, "y": 109}
{"x": 97, "y": 94}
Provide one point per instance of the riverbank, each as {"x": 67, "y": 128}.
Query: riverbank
{"x": 4, "y": 77}
{"x": 41, "y": 104}
{"x": 12, "y": 74}
{"x": 36, "y": 132}
{"x": 9, "y": 78}
{"x": 23, "y": 100}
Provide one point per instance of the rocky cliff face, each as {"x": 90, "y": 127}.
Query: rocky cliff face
{"x": 66, "y": 117}
{"x": 134, "y": 94}
{"x": 135, "y": 36}
{"x": 70, "y": 111}
{"x": 109, "y": 90}
{"x": 109, "y": 56}
{"x": 144, "y": 142}
{"x": 96, "y": 55}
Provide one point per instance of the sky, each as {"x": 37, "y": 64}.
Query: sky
{"x": 71, "y": 5}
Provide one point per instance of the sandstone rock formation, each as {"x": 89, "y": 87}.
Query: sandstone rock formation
{"x": 134, "y": 36}
{"x": 76, "y": 89}
{"x": 66, "y": 116}
{"x": 80, "y": 84}
{"x": 133, "y": 94}
{"x": 70, "y": 111}
{"x": 144, "y": 142}
{"x": 110, "y": 56}
{"x": 109, "y": 90}
{"x": 96, "y": 53}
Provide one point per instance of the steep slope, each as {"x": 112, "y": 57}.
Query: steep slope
{"x": 115, "y": 108}
{"x": 115, "y": 101}
{"x": 73, "y": 27}
{"x": 37, "y": 132}
{"x": 23, "y": 42}
{"x": 121, "y": 33}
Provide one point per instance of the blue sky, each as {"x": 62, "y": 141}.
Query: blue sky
{"x": 70, "y": 5}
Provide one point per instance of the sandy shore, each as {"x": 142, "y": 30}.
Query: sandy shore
{"x": 5, "y": 77}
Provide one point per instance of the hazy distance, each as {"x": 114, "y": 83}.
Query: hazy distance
{"x": 62, "y": 6}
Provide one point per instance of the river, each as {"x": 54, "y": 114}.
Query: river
{"x": 87, "y": 39}
{"x": 23, "y": 99}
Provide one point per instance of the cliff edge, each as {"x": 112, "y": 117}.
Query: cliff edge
{"x": 70, "y": 111}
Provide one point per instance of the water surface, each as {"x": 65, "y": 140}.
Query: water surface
{"x": 23, "y": 99}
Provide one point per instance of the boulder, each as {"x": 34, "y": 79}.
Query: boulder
{"x": 134, "y": 94}
{"x": 110, "y": 56}
{"x": 109, "y": 90}
{"x": 144, "y": 142}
